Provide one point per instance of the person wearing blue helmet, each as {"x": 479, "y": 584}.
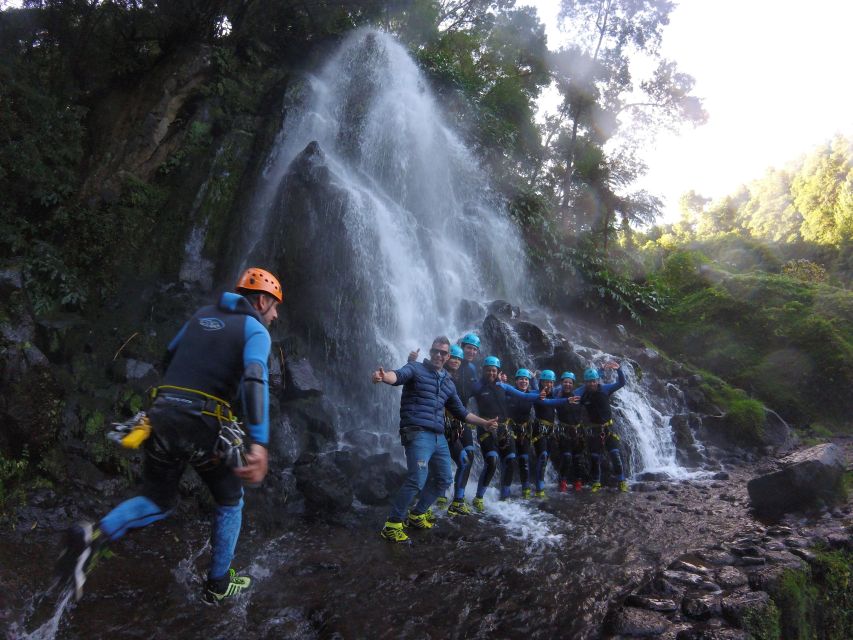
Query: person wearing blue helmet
{"x": 543, "y": 428}
{"x": 521, "y": 401}
{"x": 471, "y": 346}
{"x": 601, "y": 438}
{"x": 460, "y": 438}
{"x": 496, "y": 444}
{"x": 568, "y": 443}
{"x": 518, "y": 421}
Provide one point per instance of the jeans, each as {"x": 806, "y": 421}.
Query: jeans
{"x": 429, "y": 473}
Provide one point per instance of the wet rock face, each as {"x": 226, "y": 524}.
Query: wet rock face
{"x": 323, "y": 485}
{"x": 809, "y": 479}
{"x": 300, "y": 379}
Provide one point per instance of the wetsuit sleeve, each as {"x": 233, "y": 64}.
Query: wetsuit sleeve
{"x": 454, "y": 404}
{"x": 517, "y": 392}
{"x": 173, "y": 346}
{"x": 615, "y": 386}
{"x": 404, "y": 374}
{"x": 256, "y": 398}
{"x": 553, "y": 402}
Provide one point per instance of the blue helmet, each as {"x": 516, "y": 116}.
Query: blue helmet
{"x": 456, "y": 352}
{"x": 492, "y": 361}
{"x": 523, "y": 373}
{"x": 567, "y": 374}
{"x": 547, "y": 375}
{"x": 470, "y": 338}
{"x": 591, "y": 374}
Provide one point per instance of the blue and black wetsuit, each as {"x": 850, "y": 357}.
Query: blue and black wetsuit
{"x": 220, "y": 353}
{"x": 540, "y": 430}
{"x": 601, "y": 436}
{"x": 460, "y": 435}
{"x": 567, "y": 445}
{"x": 491, "y": 403}
{"x": 520, "y": 419}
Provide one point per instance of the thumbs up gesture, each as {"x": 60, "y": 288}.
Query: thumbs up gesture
{"x": 378, "y": 375}
{"x": 413, "y": 355}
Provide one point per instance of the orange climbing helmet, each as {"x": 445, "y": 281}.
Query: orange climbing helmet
{"x": 258, "y": 280}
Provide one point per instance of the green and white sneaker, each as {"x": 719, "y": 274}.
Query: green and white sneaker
{"x": 85, "y": 545}
{"x": 479, "y": 505}
{"x": 228, "y": 587}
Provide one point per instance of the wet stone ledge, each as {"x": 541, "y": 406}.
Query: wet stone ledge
{"x": 722, "y": 592}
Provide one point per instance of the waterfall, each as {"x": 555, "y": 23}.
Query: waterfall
{"x": 383, "y": 226}
{"x": 377, "y": 216}
{"x": 643, "y": 420}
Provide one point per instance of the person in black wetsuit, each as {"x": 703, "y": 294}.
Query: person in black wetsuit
{"x": 543, "y": 429}
{"x": 601, "y": 438}
{"x": 568, "y": 441}
{"x": 495, "y": 443}
{"x": 518, "y": 413}
{"x": 460, "y": 436}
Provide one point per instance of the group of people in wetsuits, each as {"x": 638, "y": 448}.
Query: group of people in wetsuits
{"x": 537, "y": 420}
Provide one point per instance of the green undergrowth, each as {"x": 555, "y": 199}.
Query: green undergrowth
{"x": 786, "y": 342}
{"x": 817, "y": 602}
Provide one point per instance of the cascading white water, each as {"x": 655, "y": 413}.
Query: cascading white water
{"x": 383, "y": 223}
{"x": 644, "y": 424}
{"x": 425, "y": 230}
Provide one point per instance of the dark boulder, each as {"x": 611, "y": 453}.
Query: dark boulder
{"x": 377, "y": 479}
{"x": 323, "y": 485}
{"x": 502, "y": 341}
{"x": 361, "y": 439}
{"x": 809, "y": 479}
{"x": 537, "y": 341}
{"x": 503, "y": 309}
{"x": 300, "y": 380}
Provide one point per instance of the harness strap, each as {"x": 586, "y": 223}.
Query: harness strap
{"x": 212, "y": 406}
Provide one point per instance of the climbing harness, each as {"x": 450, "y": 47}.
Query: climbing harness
{"x": 230, "y": 446}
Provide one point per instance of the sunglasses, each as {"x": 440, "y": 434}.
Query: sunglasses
{"x": 439, "y": 352}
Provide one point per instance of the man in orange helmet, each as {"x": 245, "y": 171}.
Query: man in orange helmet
{"x": 219, "y": 354}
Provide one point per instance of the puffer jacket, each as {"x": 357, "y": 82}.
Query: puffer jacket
{"x": 426, "y": 392}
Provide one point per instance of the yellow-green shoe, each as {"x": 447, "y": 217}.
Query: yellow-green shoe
{"x": 393, "y": 532}
{"x": 525, "y": 493}
{"x": 418, "y": 521}
{"x": 441, "y": 502}
{"x": 236, "y": 584}
{"x": 479, "y": 505}
{"x": 430, "y": 516}
{"x": 459, "y": 508}
{"x": 596, "y": 486}
{"x": 540, "y": 493}
{"x": 623, "y": 486}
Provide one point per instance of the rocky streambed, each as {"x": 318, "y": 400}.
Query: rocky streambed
{"x": 684, "y": 559}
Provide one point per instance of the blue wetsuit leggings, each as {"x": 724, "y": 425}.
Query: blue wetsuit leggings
{"x": 182, "y": 437}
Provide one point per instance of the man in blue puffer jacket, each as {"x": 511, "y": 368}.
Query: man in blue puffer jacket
{"x": 427, "y": 390}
